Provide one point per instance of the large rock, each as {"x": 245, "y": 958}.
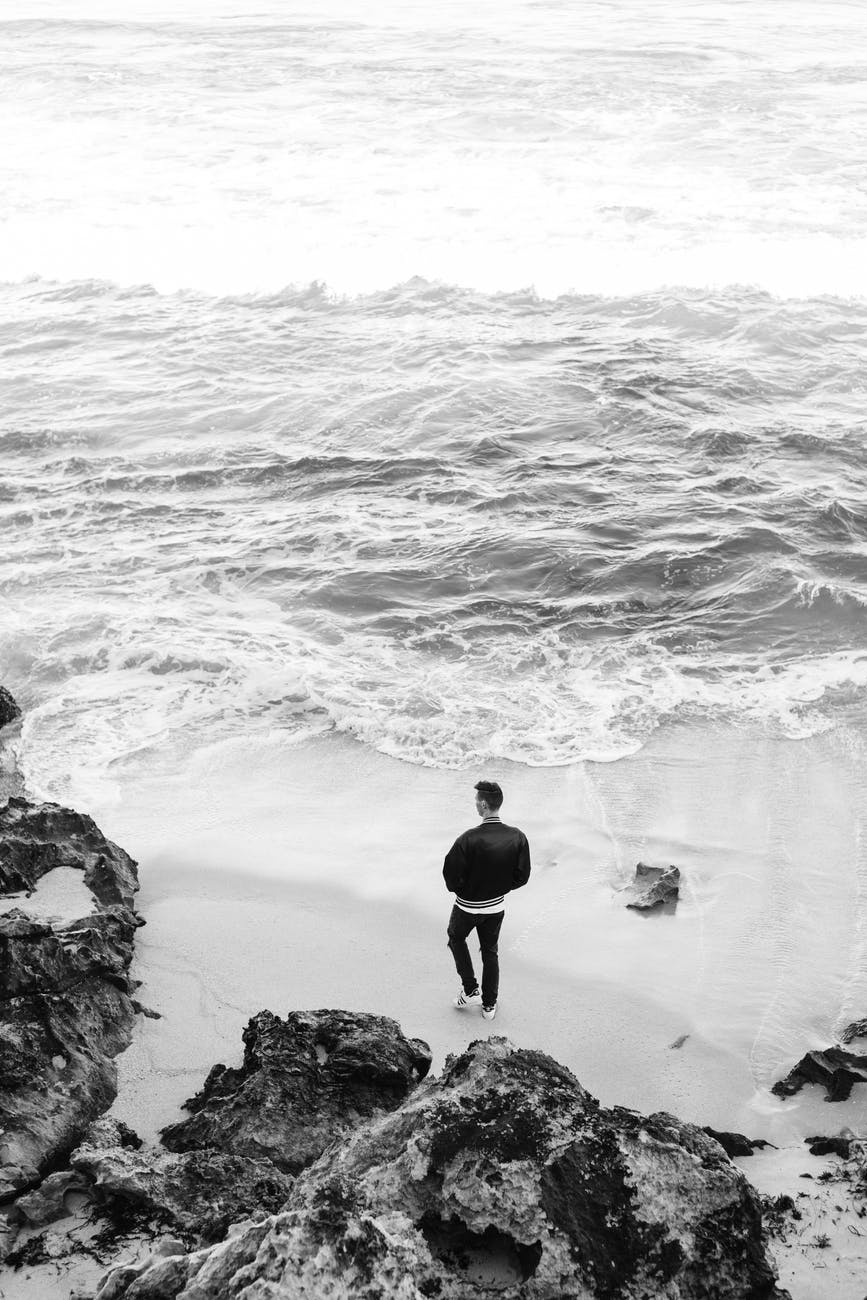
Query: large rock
{"x": 65, "y": 1010}
{"x": 841, "y": 1145}
{"x": 653, "y": 887}
{"x": 197, "y": 1194}
{"x": 505, "y": 1178}
{"x": 9, "y": 710}
{"x": 835, "y": 1069}
{"x": 36, "y": 838}
{"x": 67, "y": 1016}
{"x": 304, "y": 1081}
{"x": 857, "y": 1029}
{"x": 47, "y": 1203}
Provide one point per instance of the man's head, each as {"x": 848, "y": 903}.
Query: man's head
{"x": 489, "y": 797}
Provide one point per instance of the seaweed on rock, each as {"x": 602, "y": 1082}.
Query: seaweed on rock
{"x": 504, "y": 1177}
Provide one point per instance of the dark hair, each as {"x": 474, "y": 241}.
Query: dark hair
{"x": 491, "y": 793}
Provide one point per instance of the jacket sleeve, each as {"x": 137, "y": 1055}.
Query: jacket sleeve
{"x": 521, "y": 873}
{"x": 455, "y": 866}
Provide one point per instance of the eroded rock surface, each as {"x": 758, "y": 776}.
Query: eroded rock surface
{"x": 857, "y": 1029}
{"x": 841, "y": 1145}
{"x": 9, "y": 710}
{"x": 836, "y": 1069}
{"x": 197, "y": 1194}
{"x": 735, "y": 1144}
{"x": 65, "y": 1010}
{"x": 37, "y": 837}
{"x": 304, "y": 1081}
{"x": 505, "y": 1178}
{"x": 653, "y": 887}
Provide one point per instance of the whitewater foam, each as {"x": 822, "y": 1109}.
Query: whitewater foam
{"x": 499, "y": 148}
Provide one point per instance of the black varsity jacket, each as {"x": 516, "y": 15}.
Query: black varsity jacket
{"x": 485, "y": 863}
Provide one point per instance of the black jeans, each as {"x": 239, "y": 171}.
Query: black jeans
{"x": 460, "y": 925}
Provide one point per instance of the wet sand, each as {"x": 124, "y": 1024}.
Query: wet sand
{"x": 319, "y": 884}
{"x": 311, "y": 877}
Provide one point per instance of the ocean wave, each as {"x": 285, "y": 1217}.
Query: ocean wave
{"x": 178, "y": 263}
{"x": 722, "y": 443}
{"x": 811, "y": 593}
{"x": 539, "y": 701}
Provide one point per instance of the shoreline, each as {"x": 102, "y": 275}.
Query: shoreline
{"x": 218, "y": 948}
{"x": 759, "y": 963}
{"x": 221, "y": 945}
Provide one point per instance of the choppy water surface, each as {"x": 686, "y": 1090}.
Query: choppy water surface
{"x": 480, "y": 381}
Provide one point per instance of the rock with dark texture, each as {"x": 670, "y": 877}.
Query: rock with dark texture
{"x": 67, "y": 1016}
{"x": 835, "y": 1069}
{"x": 735, "y": 1144}
{"x": 36, "y": 838}
{"x": 653, "y": 887}
{"x": 197, "y": 1194}
{"x": 304, "y": 1081}
{"x": 9, "y": 710}
{"x": 505, "y": 1178}
{"x": 38, "y": 958}
{"x": 65, "y": 1010}
{"x": 47, "y": 1202}
{"x": 830, "y": 1146}
{"x": 857, "y": 1029}
{"x": 108, "y": 1132}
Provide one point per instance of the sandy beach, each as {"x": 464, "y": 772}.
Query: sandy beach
{"x": 301, "y": 898}
{"x": 696, "y": 1013}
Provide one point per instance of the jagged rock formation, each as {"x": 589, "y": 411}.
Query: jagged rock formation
{"x": 857, "y": 1029}
{"x": 503, "y": 1177}
{"x": 304, "y": 1081}
{"x": 65, "y": 1009}
{"x": 36, "y": 838}
{"x": 735, "y": 1144}
{"x": 835, "y": 1069}
{"x": 47, "y": 1202}
{"x": 197, "y": 1195}
{"x": 841, "y": 1145}
{"x": 9, "y": 710}
{"x": 653, "y": 887}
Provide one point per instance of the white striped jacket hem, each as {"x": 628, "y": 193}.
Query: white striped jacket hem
{"x": 487, "y": 907}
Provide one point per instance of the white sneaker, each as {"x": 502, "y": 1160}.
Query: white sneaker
{"x": 468, "y": 999}
{"x": 489, "y": 1012}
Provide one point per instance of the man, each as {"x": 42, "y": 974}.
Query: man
{"x": 481, "y": 867}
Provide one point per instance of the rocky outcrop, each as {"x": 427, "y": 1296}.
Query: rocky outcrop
{"x": 735, "y": 1144}
{"x": 9, "y": 710}
{"x": 304, "y": 1081}
{"x": 36, "y": 838}
{"x": 653, "y": 887}
{"x": 503, "y": 1177}
{"x": 841, "y": 1145}
{"x": 857, "y": 1029}
{"x": 47, "y": 1203}
{"x": 835, "y": 1069}
{"x": 65, "y": 1009}
{"x": 196, "y": 1195}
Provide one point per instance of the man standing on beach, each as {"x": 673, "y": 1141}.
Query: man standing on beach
{"x": 481, "y": 867}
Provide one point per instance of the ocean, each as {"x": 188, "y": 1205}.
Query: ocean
{"x": 478, "y": 385}
{"x": 481, "y": 381}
